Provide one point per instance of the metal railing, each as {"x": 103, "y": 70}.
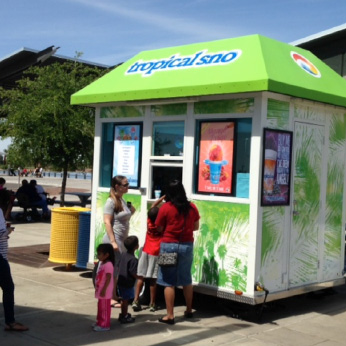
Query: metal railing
{"x": 70, "y": 175}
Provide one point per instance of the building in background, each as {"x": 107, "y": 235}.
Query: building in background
{"x": 329, "y": 46}
{"x": 14, "y": 65}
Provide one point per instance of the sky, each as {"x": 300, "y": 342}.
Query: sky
{"x": 112, "y": 31}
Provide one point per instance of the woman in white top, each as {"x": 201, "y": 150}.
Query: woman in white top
{"x": 116, "y": 217}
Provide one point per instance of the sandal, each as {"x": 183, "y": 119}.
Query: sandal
{"x": 16, "y": 327}
{"x": 188, "y": 314}
{"x": 116, "y": 305}
{"x": 167, "y": 321}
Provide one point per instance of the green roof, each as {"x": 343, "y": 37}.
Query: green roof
{"x": 245, "y": 64}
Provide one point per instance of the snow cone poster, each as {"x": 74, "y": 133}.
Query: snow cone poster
{"x": 216, "y": 157}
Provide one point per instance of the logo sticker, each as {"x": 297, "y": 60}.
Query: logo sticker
{"x": 175, "y": 62}
{"x": 306, "y": 65}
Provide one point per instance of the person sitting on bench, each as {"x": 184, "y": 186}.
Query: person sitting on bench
{"x": 28, "y": 191}
{"x": 39, "y": 189}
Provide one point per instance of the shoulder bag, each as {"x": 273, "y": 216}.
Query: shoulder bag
{"x": 170, "y": 259}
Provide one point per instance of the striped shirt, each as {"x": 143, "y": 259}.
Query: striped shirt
{"x": 3, "y": 236}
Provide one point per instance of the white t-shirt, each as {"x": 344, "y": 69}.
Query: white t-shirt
{"x": 41, "y": 192}
{"x": 121, "y": 221}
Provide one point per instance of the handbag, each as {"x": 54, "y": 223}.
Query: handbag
{"x": 168, "y": 259}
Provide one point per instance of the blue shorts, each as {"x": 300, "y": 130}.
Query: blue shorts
{"x": 179, "y": 275}
{"x": 126, "y": 293}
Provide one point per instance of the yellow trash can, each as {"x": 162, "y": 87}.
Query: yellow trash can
{"x": 64, "y": 234}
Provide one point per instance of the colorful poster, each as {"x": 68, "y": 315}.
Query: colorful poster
{"x": 126, "y": 152}
{"x": 277, "y": 151}
{"x": 216, "y": 157}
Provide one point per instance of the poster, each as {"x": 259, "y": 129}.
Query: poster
{"x": 127, "y": 152}
{"x": 276, "y": 167}
{"x": 215, "y": 162}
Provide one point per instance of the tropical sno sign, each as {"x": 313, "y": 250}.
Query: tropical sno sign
{"x": 175, "y": 62}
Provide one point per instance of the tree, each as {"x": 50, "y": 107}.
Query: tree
{"x": 44, "y": 127}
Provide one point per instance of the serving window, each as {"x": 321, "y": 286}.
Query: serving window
{"x": 162, "y": 173}
{"x": 223, "y": 157}
{"x": 166, "y": 155}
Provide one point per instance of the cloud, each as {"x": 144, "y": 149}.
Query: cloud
{"x": 179, "y": 26}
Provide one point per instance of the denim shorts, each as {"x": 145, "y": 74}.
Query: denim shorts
{"x": 126, "y": 293}
{"x": 179, "y": 275}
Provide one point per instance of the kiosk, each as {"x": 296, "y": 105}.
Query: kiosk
{"x": 256, "y": 130}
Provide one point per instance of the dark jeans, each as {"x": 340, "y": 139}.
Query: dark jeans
{"x": 7, "y": 286}
{"x": 42, "y": 204}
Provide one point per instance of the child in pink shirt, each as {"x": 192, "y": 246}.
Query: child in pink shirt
{"x": 104, "y": 287}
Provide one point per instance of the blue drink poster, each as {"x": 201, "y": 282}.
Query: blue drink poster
{"x": 126, "y": 152}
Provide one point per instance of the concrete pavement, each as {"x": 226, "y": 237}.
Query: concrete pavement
{"x": 59, "y": 307}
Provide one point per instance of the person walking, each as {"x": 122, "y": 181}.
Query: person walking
{"x": 177, "y": 219}
{"x": 117, "y": 214}
{"x": 6, "y": 282}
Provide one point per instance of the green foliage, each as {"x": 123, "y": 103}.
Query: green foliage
{"x": 224, "y": 106}
{"x": 43, "y": 125}
{"x": 220, "y": 256}
{"x": 271, "y": 232}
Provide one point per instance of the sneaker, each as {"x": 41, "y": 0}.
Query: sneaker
{"x": 152, "y": 307}
{"x": 126, "y": 319}
{"x": 100, "y": 329}
{"x": 136, "y": 306}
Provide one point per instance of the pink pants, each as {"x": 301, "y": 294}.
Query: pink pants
{"x": 103, "y": 318}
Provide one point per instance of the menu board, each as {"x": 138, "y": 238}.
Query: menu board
{"x": 215, "y": 161}
{"x": 276, "y": 167}
{"x": 127, "y": 152}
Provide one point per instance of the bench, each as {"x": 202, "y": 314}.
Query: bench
{"x": 22, "y": 201}
{"x": 57, "y": 201}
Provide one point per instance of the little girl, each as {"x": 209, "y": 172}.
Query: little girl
{"x": 104, "y": 287}
{"x": 147, "y": 265}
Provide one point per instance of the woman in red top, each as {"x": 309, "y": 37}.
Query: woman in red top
{"x": 177, "y": 219}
